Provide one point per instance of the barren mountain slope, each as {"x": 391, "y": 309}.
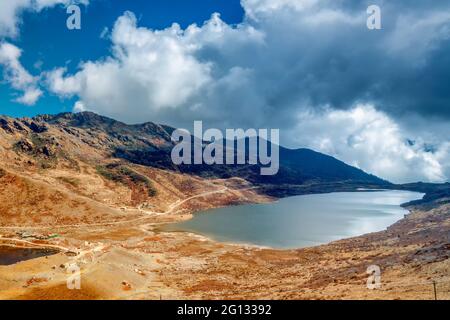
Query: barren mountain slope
{"x": 62, "y": 170}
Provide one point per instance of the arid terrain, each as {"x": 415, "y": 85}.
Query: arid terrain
{"x": 62, "y": 188}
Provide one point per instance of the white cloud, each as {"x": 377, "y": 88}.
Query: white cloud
{"x": 414, "y": 35}
{"x": 371, "y": 140}
{"x": 150, "y": 71}
{"x": 255, "y": 8}
{"x": 9, "y": 10}
{"x": 30, "y": 96}
{"x": 19, "y": 78}
{"x": 65, "y": 87}
{"x": 79, "y": 107}
{"x": 14, "y": 73}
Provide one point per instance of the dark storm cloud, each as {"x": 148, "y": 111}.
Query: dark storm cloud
{"x": 324, "y": 55}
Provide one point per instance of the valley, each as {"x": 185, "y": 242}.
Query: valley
{"x": 98, "y": 191}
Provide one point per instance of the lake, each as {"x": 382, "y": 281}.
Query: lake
{"x": 13, "y": 255}
{"x": 301, "y": 221}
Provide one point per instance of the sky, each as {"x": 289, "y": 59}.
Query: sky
{"x": 376, "y": 99}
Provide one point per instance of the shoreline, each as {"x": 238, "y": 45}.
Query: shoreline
{"x": 190, "y": 216}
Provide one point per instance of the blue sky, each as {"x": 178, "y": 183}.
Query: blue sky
{"x": 47, "y": 43}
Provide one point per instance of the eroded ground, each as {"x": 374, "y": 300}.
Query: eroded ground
{"x": 126, "y": 257}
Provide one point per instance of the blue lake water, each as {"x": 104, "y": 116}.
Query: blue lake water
{"x": 301, "y": 221}
{"x": 13, "y": 255}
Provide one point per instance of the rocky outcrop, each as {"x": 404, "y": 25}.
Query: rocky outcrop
{"x": 36, "y": 127}
{"x": 4, "y": 124}
{"x": 24, "y": 145}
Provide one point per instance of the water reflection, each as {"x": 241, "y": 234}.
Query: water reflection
{"x": 303, "y": 220}
{"x": 12, "y": 255}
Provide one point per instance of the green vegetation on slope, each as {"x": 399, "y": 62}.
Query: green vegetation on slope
{"x": 125, "y": 175}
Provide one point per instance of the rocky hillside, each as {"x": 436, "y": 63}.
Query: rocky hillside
{"x": 84, "y": 160}
{"x": 149, "y": 144}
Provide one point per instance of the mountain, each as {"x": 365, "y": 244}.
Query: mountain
{"x": 74, "y": 158}
{"x": 150, "y": 144}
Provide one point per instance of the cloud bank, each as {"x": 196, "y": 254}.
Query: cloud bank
{"x": 309, "y": 67}
{"x": 370, "y": 139}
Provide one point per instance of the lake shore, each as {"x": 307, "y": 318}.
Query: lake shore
{"x": 301, "y": 221}
{"x": 136, "y": 261}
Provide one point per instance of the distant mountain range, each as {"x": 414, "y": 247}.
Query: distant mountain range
{"x": 150, "y": 144}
